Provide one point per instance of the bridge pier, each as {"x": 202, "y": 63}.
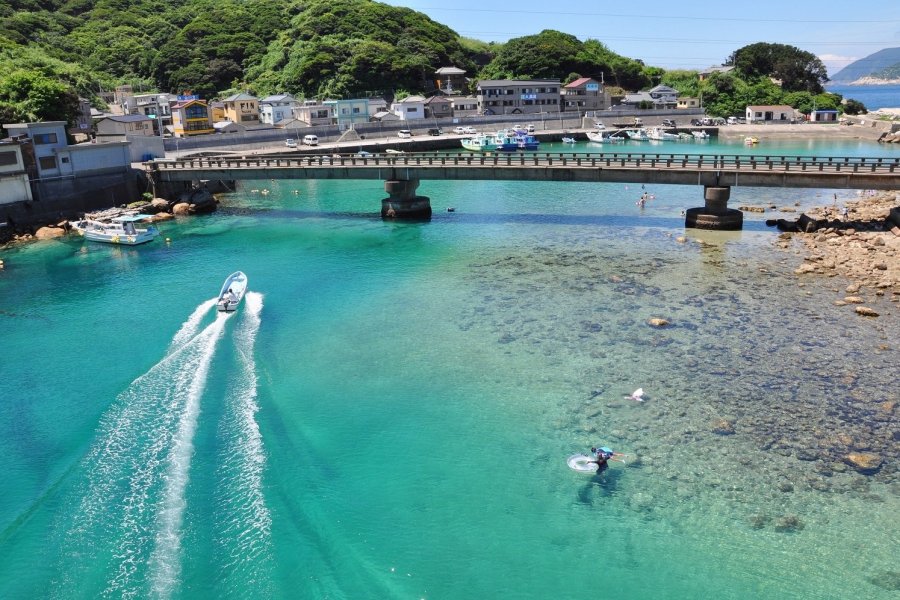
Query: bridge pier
{"x": 716, "y": 214}
{"x": 403, "y": 203}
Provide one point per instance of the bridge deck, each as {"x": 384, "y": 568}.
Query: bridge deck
{"x": 684, "y": 169}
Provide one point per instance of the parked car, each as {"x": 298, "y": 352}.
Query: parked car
{"x": 469, "y": 130}
{"x": 435, "y": 131}
{"x": 731, "y": 120}
{"x": 530, "y": 128}
{"x": 696, "y": 122}
{"x": 668, "y": 123}
{"x": 290, "y": 143}
{"x": 311, "y": 140}
{"x": 459, "y": 130}
{"x": 405, "y": 133}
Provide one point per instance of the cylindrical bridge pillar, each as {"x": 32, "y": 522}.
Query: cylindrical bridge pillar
{"x": 716, "y": 214}
{"x": 402, "y": 201}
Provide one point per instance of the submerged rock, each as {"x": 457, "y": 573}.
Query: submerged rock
{"x": 864, "y": 462}
{"x": 866, "y": 311}
{"x": 789, "y": 523}
{"x": 658, "y": 322}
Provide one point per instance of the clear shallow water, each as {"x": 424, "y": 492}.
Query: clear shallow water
{"x": 389, "y": 416}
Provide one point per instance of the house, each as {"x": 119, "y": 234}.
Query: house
{"x": 14, "y": 181}
{"x": 664, "y": 96}
{"x": 438, "y": 107}
{"x": 242, "y": 108}
{"x": 190, "y": 117}
{"x": 510, "y": 96}
{"x": 123, "y": 126}
{"x": 349, "y": 112}
{"x": 464, "y": 106}
{"x": 707, "y": 73}
{"x": 584, "y": 94}
{"x": 410, "y": 108}
{"x": 54, "y": 158}
{"x": 156, "y": 106}
{"x": 823, "y": 116}
{"x": 637, "y": 100}
{"x": 377, "y": 105}
{"x": 217, "y": 112}
{"x": 312, "y": 113}
{"x": 277, "y": 108}
{"x": 228, "y": 127}
{"x": 83, "y": 121}
{"x": 766, "y": 113}
{"x": 383, "y": 116}
{"x": 48, "y": 139}
{"x": 687, "y": 102}
{"x": 450, "y": 80}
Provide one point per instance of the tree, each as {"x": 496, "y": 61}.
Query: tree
{"x": 35, "y": 97}
{"x": 797, "y": 69}
{"x": 854, "y": 107}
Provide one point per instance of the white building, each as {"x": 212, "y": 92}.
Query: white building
{"x": 277, "y": 108}
{"x": 56, "y": 159}
{"x": 410, "y": 108}
{"x": 14, "y": 186}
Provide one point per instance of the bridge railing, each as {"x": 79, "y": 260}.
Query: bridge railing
{"x": 622, "y": 160}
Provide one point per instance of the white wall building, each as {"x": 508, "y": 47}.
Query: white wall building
{"x": 276, "y": 108}
{"x": 14, "y": 186}
{"x": 410, "y": 108}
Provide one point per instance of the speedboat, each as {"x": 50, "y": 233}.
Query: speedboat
{"x": 600, "y": 138}
{"x": 700, "y": 134}
{"x": 232, "y": 292}
{"x": 568, "y": 140}
{"x": 528, "y": 142}
{"x": 120, "y": 230}
{"x": 749, "y": 141}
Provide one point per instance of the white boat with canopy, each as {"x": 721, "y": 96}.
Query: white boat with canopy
{"x": 120, "y": 230}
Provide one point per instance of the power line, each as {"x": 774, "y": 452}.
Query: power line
{"x": 634, "y": 16}
{"x": 685, "y": 40}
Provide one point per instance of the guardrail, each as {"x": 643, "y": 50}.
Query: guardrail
{"x": 620, "y": 160}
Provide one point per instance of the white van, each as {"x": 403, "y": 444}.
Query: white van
{"x": 311, "y": 140}
{"x": 732, "y": 120}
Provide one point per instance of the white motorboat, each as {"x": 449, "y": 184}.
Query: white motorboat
{"x": 700, "y": 134}
{"x": 600, "y": 138}
{"x": 232, "y": 293}
{"x": 637, "y": 134}
{"x": 657, "y": 133}
{"x": 568, "y": 140}
{"x": 120, "y": 230}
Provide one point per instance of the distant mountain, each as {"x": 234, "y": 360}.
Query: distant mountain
{"x": 883, "y": 65}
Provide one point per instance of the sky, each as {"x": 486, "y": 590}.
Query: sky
{"x": 686, "y": 34}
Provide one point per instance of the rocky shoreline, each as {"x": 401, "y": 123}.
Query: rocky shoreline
{"x": 201, "y": 201}
{"x": 861, "y": 245}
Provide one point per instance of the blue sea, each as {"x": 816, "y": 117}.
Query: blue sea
{"x": 389, "y": 413}
{"x": 872, "y": 96}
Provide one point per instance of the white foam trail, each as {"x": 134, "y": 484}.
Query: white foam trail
{"x": 244, "y": 534}
{"x": 124, "y": 466}
{"x": 190, "y": 327}
{"x": 165, "y": 560}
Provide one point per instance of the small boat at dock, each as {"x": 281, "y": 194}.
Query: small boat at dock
{"x": 119, "y": 230}
{"x": 232, "y": 292}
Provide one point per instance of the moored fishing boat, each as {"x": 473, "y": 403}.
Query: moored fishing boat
{"x": 120, "y": 230}
{"x": 480, "y": 143}
{"x": 638, "y": 135}
{"x": 232, "y": 292}
{"x": 700, "y": 134}
{"x": 528, "y": 142}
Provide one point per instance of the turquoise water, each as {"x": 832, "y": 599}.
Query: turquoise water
{"x": 389, "y": 413}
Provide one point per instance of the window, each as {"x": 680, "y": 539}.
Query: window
{"x": 410, "y": 109}
{"x": 195, "y": 112}
{"x": 64, "y": 160}
{"x": 45, "y": 138}
{"x": 8, "y": 158}
{"x": 47, "y": 162}
{"x": 197, "y": 126}
{"x": 355, "y": 110}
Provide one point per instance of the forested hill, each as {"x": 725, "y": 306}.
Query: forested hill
{"x": 882, "y": 64}
{"x": 302, "y": 46}
{"x": 310, "y": 48}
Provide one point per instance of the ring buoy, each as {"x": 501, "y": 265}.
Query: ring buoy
{"x": 130, "y": 239}
{"x": 115, "y": 239}
{"x": 581, "y": 463}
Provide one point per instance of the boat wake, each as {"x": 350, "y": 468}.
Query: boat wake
{"x": 243, "y": 524}
{"x": 126, "y": 529}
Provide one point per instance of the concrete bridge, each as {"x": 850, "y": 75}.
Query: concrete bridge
{"x": 402, "y": 173}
